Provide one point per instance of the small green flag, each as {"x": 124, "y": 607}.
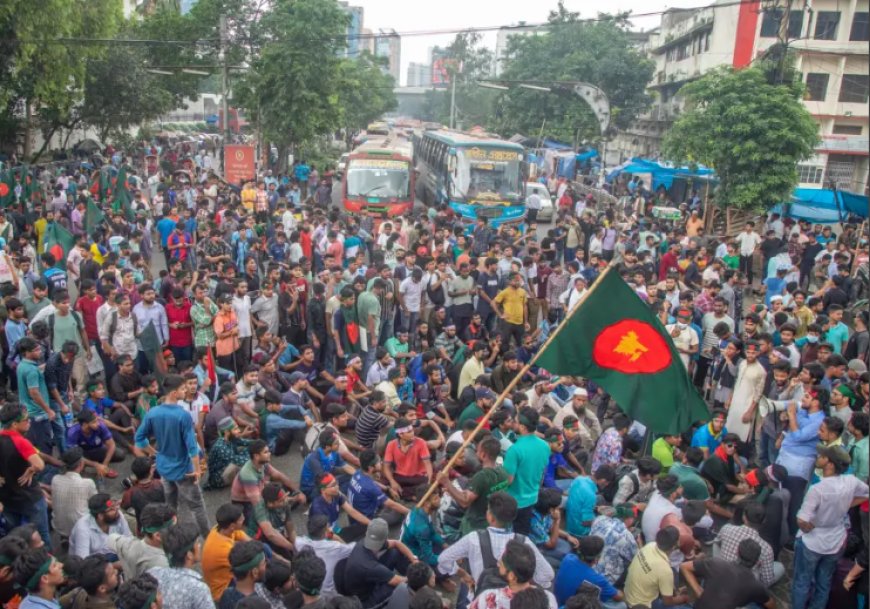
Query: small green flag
{"x": 613, "y": 339}
{"x": 59, "y": 242}
{"x": 153, "y": 349}
{"x": 7, "y": 188}
{"x": 121, "y": 196}
{"x": 94, "y": 216}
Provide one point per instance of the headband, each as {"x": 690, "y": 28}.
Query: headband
{"x": 157, "y": 528}
{"x": 308, "y": 591}
{"x": 251, "y": 564}
{"x": 405, "y": 429}
{"x": 150, "y": 600}
{"x": 34, "y": 579}
{"x": 327, "y": 480}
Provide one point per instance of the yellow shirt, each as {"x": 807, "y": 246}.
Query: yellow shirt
{"x": 39, "y": 227}
{"x": 249, "y": 196}
{"x": 216, "y": 560}
{"x": 98, "y": 257}
{"x": 649, "y": 577}
{"x": 472, "y": 369}
{"x": 513, "y": 303}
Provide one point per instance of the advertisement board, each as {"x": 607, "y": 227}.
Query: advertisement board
{"x": 239, "y": 163}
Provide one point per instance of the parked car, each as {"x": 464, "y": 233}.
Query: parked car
{"x": 342, "y": 164}
{"x": 548, "y": 207}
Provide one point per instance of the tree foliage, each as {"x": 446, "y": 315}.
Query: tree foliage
{"x": 365, "y": 92}
{"x": 597, "y": 51}
{"x": 752, "y": 132}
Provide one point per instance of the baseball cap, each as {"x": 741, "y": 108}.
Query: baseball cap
{"x": 295, "y": 377}
{"x": 858, "y": 366}
{"x": 836, "y": 455}
{"x": 376, "y": 535}
{"x": 483, "y": 393}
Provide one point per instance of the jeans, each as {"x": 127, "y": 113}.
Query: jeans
{"x": 555, "y": 555}
{"x": 37, "y": 515}
{"x": 185, "y": 497}
{"x": 811, "y": 570}
{"x": 797, "y": 488}
{"x": 613, "y": 604}
{"x": 41, "y": 435}
{"x": 58, "y": 426}
{"x": 182, "y": 354}
{"x": 767, "y": 451}
{"x": 659, "y": 604}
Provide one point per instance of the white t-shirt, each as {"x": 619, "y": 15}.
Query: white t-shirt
{"x": 748, "y": 242}
{"x": 686, "y": 339}
{"x": 242, "y": 307}
{"x": 412, "y": 293}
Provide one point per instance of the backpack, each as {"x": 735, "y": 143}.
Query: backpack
{"x": 626, "y": 469}
{"x": 312, "y": 439}
{"x": 79, "y": 326}
{"x": 490, "y": 578}
{"x": 435, "y": 295}
{"x": 113, "y": 325}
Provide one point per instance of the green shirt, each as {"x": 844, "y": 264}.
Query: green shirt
{"x": 526, "y": 461}
{"x": 860, "y": 457}
{"x": 694, "y": 487}
{"x": 472, "y": 412}
{"x": 664, "y": 454}
{"x": 66, "y": 327}
{"x": 484, "y": 483}
{"x": 732, "y": 262}
{"x": 29, "y": 377}
{"x": 367, "y": 304}
{"x": 394, "y": 346}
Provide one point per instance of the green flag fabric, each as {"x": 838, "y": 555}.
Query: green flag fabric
{"x": 94, "y": 216}
{"x": 60, "y": 242}
{"x": 613, "y": 339}
{"x": 7, "y": 188}
{"x": 122, "y": 198}
{"x": 153, "y": 350}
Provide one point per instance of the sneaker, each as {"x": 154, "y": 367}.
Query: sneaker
{"x": 127, "y": 482}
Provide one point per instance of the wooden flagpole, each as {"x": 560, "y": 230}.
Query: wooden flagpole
{"x": 507, "y": 390}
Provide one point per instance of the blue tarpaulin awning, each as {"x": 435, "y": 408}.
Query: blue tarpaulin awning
{"x": 662, "y": 174}
{"x": 823, "y": 206}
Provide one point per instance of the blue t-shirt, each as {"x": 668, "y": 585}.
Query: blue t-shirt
{"x": 365, "y": 496}
{"x": 556, "y": 461}
{"x": 165, "y": 228}
{"x": 775, "y": 286}
{"x": 99, "y": 407}
{"x": 571, "y": 575}
{"x": 302, "y": 172}
{"x": 172, "y": 427}
{"x": 580, "y": 507}
{"x": 704, "y": 438}
{"x": 331, "y": 510}
{"x": 310, "y": 469}
{"x": 98, "y": 438}
{"x": 288, "y": 355}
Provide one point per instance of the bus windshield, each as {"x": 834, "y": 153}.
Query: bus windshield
{"x": 487, "y": 174}
{"x": 381, "y": 178}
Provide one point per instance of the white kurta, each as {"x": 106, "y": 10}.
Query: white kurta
{"x": 747, "y": 389}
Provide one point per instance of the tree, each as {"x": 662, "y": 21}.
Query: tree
{"x": 752, "y": 132}
{"x": 365, "y": 92}
{"x": 596, "y": 51}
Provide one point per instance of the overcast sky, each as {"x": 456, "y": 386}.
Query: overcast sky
{"x": 457, "y": 14}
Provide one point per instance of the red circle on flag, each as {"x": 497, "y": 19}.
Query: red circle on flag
{"x": 631, "y": 346}
{"x": 57, "y": 251}
{"x": 4, "y": 189}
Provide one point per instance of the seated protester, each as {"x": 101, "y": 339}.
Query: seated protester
{"x": 380, "y": 369}
{"x": 70, "y": 492}
{"x": 147, "y": 399}
{"x": 38, "y": 575}
{"x": 97, "y": 579}
{"x": 517, "y": 567}
{"x": 720, "y": 470}
{"x": 423, "y": 428}
{"x": 728, "y": 584}
{"x": 582, "y": 498}
{"x": 144, "y": 488}
{"x": 693, "y": 485}
{"x": 372, "y": 421}
{"x": 421, "y": 584}
{"x": 280, "y": 422}
{"x": 277, "y": 583}
{"x": 116, "y": 415}
{"x": 201, "y": 369}
{"x": 407, "y": 461}
{"x": 432, "y": 397}
{"x": 90, "y": 535}
{"x": 138, "y": 555}
{"x": 320, "y": 540}
{"x": 374, "y": 569}
{"x": 126, "y": 384}
{"x": 709, "y": 436}
{"x": 614, "y": 526}
{"x": 767, "y": 490}
{"x": 637, "y": 485}
{"x": 751, "y": 518}
{"x": 247, "y": 491}
{"x": 577, "y": 569}
{"x": 574, "y": 453}
{"x": 484, "y": 398}
{"x": 227, "y": 455}
{"x": 94, "y": 438}
{"x": 368, "y": 496}
{"x": 420, "y": 534}
{"x": 450, "y": 512}
{"x": 138, "y": 592}
{"x": 500, "y": 515}
{"x": 248, "y": 566}
{"x": 226, "y": 406}
{"x": 216, "y": 550}
{"x": 337, "y": 419}
{"x": 309, "y": 574}
{"x": 324, "y": 460}
{"x": 608, "y": 449}
{"x": 559, "y": 473}
{"x": 330, "y": 502}
{"x": 503, "y": 427}
{"x": 278, "y": 508}
{"x": 650, "y": 579}
{"x": 552, "y": 541}
{"x": 250, "y": 390}
{"x": 665, "y": 450}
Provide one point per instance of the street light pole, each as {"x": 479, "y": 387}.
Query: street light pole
{"x": 453, "y": 102}
{"x": 222, "y": 58}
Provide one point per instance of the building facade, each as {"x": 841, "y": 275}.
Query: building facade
{"x": 828, "y": 39}
{"x": 419, "y": 74}
{"x": 388, "y": 44}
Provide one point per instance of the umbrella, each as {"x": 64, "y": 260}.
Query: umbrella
{"x": 89, "y": 144}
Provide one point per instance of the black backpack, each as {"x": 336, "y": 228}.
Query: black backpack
{"x": 490, "y": 578}
{"x": 435, "y": 295}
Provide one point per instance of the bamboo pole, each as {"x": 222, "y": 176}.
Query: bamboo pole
{"x": 507, "y": 390}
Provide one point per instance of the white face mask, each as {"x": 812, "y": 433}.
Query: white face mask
{"x": 681, "y": 325}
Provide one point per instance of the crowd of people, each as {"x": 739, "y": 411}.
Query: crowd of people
{"x": 376, "y": 349}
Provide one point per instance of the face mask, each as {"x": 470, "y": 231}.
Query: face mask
{"x": 682, "y": 326}
{"x": 812, "y": 339}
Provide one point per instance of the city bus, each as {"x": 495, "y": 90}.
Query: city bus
{"x": 379, "y": 178}
{"x": 478, "y": 176}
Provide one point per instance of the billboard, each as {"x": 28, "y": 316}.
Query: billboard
{"x": 239, "y": 164}
{"x": 440, "y": 73}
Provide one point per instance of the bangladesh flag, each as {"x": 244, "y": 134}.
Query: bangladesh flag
{"x": 7, "y": 189}
{"x": 94, "y": 216}
{"x": 122, "y": 198}
{"x": 615, "y": 340}
{"x": 59, "y": 242}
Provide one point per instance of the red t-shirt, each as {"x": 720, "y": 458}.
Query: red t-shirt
{"x": 88, "y": 309}
{"x": 410, "y": 462}
{"x": 179, "y": 337}
{"x": 22, "y": 444}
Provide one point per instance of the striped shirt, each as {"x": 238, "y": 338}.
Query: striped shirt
{"x": 369, "y": 426}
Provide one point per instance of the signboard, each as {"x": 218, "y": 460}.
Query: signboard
{"x": 487, "y": 154}
{"x": 378, "y": 164}
{"x": 239, "y": 164}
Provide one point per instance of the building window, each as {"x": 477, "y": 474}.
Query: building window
{"x": 810, "y": 174}
{"x": 826, "y": 25}
{"x": 817, "y": 87}
{"x": 707, "y": 41}
{"x": 855, "y": 88}
{"x": 770, "y": 24}
{"x": 860, "y": 30}
{"x": 841, "y": 171}
{"x": 847, "y": 130}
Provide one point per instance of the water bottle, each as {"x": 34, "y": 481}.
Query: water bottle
{"x": 67, "y": 419}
